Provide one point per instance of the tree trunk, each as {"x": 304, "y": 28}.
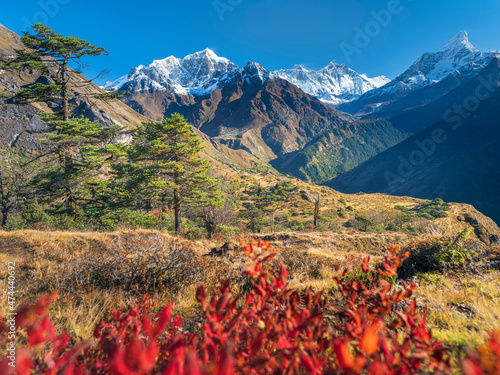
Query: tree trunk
{"x": 210, "y": 227}
{"x": 316, "y": 212}
{"x": 177, "y": 211}
{"x": 4, "y": 218}
{"x": 64, "y": 88}
{"x": 4, "y": 201}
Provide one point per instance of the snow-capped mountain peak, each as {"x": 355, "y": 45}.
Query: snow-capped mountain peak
{"x": 334, "y": 67}
{"x": 335, "y": 83}
{"x": 203, "y": 72}
{"x": 459, "y": 42}
{"x": 197, "y": 74}
{"x": 458, "y": 56}
{"x": 254, "y": 73}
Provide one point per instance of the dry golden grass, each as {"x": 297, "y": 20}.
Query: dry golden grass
{"x": 378, "y": 206}
{"x": 462, "y": 309}
{"x": 43, "y": 257}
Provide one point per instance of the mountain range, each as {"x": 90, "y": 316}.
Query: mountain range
{"x": 456, "y": 158}
{"x": 203, "y": 72}
{"x": 331, "y": 126}
{"x": 254, "y": 111}
{"x": 430, "y": 76}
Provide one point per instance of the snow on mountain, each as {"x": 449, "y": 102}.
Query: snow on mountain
{"x": 197, "y": 74}
{"x": 203, "y": 72}
{"x": 335, "y": 83}
{"x": 459, "y": 55}
{"x": 254, "y": 73}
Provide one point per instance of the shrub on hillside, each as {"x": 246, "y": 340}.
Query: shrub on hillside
{"x": 441, "y": 254}
{"x": 143, "y": 264}
{"x": 341, "y": 212}
{"x": 433, "y": 210}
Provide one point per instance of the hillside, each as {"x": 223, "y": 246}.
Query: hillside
{"x": 99, "y": 272}
{"x": 275, "y": 122}
{"x": 339, "y": 150}
{"x": 264, "y": 117}
{"x": 416, "y": 119}
{"x": 462, "y": 167}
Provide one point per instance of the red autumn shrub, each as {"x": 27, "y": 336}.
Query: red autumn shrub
{"x": 486, "y": 359}
{"x": 273, "y": 330}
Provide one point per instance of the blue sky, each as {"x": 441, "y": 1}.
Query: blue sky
{"x": 276, "y": 33}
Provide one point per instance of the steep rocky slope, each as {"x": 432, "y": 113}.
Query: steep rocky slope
{"x": 456, "y": 159}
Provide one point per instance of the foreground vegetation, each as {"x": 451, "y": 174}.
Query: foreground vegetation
{"x": 98, "y": 273}
{"x": 374, "y": 326}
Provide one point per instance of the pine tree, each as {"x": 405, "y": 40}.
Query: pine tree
{"x": 75, "y": 149}
{"x": 255, "y": 217}
{"x": 165, "y": 168}
{"x": 51, "y": 54}
{"x": 14, "y": 175}
{"x": 75, "y": 155}
{"x": 364, "y": 221}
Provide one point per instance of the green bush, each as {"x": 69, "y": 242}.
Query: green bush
{"x": 376, "y": 228}
{"x": 296, "y": 225}
{"x": 34, "y": 213}
{"x": 364, "y": 222}
{"x": 433, "y": 210}
{"x": 16, "y": 222}
{"x": 67, "y": 222}
{"x": 138, "y": 219}
{"x": 443, "y": 254}
{"x": 325, "y": 218}
{"x": 392, "y": 227}
{"x": 229, "y": 232}
{"x": 353, "y": 223}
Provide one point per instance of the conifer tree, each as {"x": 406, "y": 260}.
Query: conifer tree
{"x": 255, "y": 217}
{"x": 14, "y": 177}
{"x": 74, "y": 148}
{"x": 74, "y": 157}
{"x": 51, "y": 54}
{"x": 165, "y": 168}
{"x": 364, "y": 221}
